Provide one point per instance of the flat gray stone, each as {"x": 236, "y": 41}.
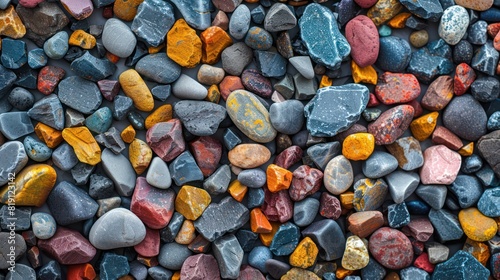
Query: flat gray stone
{"x": 229, "y": 256}
{"x": 112, "y": 140}
{"x": 379, "y": 164}
{"x": 119, "y": 169}
{"x": 402, "y": 184}
{"x": 186, "y": 87}
{"x": 70, "y": 204}
{"x": 252, "y": 178}
{"x": 434, "y": 195}
{"x": 64, "y": 157}
{"x": 446, "y": 225}
{"x": 279, "y": 18}
{"x": 201, "y": 118}
{"x": 117, "y": 38}
{"x": 80, "y": 94}
{"x": 158, "y": 174}
{"x": 14, "y": 158}
{"x": 153, "y": 20}
{"x": 15, "y": 124}
{"x": 236, "y": 57}
{"x": 158, "y": 68}
{"x": 219, "y": 181}
{"x": 49, "y": 111}
{"x": 287, "y": 117}
{"x": 304, "y": 65}
{"x": 172, "y": 255}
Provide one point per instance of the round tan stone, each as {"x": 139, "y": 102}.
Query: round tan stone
{"x": 249, "y": 155}
{"x": 355, "y": 254}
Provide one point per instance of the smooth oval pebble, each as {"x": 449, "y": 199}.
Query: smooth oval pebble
{"x": 117, "y": 38}
{"x": 391, "y": 248}
{"x": 363, "y": 37}
{"x": 468, "y": 124}
{"x": 43, "y": 224}
{"x": 249, "y": 155}
{"x": 338, "y": 175}
{"x": 287, "y": 117}
{"x": 453, "y": 25}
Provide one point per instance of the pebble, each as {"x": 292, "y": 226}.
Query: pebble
{"x": 460, "y": 264}
{"x": 14, "y": 54}
{"x": 235, "y": 58}
{"x": 306, "y": 181}
{"x": 402, "y": 184}
{"x": 321, "y": 154}
{"x": 117, "y": 38}
{"x": 398, "y": 255}
{"x": 186, "y": 87}
{"x": 446, "y": 225}
{"x": 485, "y": 59}
{"x": 287, "y": 117}
{"x": 394, "y": 54}
{"x": 172, "y": 255}
{"x": 477, "y": 226}
{"x": 21, "y": 98}
{"x": 277, "y": 206}
{"x": 328, "y": 237}
{"x": 486, "y": 145}
{"x": 379, "y": 164}
{"x": 364, "y": 223}
{"x": 358, "y": 146}
{"x": 305, "y": 211}
{"x": 453, "y": 24}
{"x": 421, "y": 229}
{"x": 158, "y": 68}
{"x": 14, "y": 125}
{"x": 70, "y": 94}
{"x": 441, "y": 165}
{"x": 62, "y": 204}
{"x": 64, "y": 157}
{"x": 363, "y": 37}
{"x": 183, "y": 169}
{"x": 56, "y": 46}
{"x": 477, "y": 33}
{"x": 252, "y": 178}
{"x": 469, "y": 124}
{"x": 439, "y": 93}
{"x": 305, "y": 254}
{"x": 398, "y": 215}
{"x": 44, "y": 225}
{"x": 270, "y": 64}
{"x": 369, "y": 194}
{"x": 356, "y": 254}
{"x": 485, "y": 89}
{"x": 201, "y": 118}
{"x": 434, "y": 195}
{"x": 391, "y": 124}
{"x": 419, "y": 38}
{"x": 240, "y": 22}
{"x": 397, "y": 88}
{"x": 67, "y": 247}
{"x": 431, "y": 61}
{"x": 153, "y": 32}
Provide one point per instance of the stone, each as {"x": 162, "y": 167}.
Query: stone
{"x": 320, "y": 154}
{"x": 289, "y": 157}
{"x": 161, "y": 92}
{"x": 383, "y": 11}
{"x": 119, "y": 169}
{"x": 303, "y": 65}
{"x": 218, "y": 181}
{"x": 305, "y": 211}
{"x": 117, "y": 38}
{"x": 305, "y": 254}
{"x": 48, "y": 78}
{"x": 369, "y": 194}
{"x": 364, "y": 223}
{"x": 408, "y": 153}
{"x": 362, "y": 35}
{"x": 10, "y": 256}
{"x": 258, "y": 257}
{"x": 431, "y": 61}
{"x": 20, "y": 216}
{"x": 197, "y": 15}
{"x": 356, "y": 254}
{"x": 79, "y": 94}
{"x": 191, "y": 202}
{"x": 111, "y": 140}
{"x": 467, "y": 189}
{"x": 453, "y": 24}
{"x": 328, "y": 237}
{"x": 153, "y": 206}
{"x": 240, "y": 22}
{"x": 158, "y": 68}
{"x": 434, "y": 195}
{"x": 276, "y": 268}
{"x": 153, "y": 33}
{"x": 158, "y": 174}
{"x": 79, "y": 10}
{"x": 486, "y": 203}
{"x": 214, "y": 40}
{"x": 200, "y": 118}
{"x": 450, "y": 268}
{"x": 423, "y": 126}
{"x": 68, "y": 247}
{"x": 485, "y": 59}
{"x": 113, "y": 266}
{"x": 270, "y": 64}
{"x": 186, "y": 87}
{"x": 21, "y": 98}
{"x": 57, "y": 45}
{"x": 183, "y": 45}
{"x": 379, "y": 164}
{"x": 392, "y": 257}
{"x": 462, "y": 52}
{"x": 314, "y": 19}
{"x": 485, "y": 89}
{"x": 439, "y": 93}
{"x": 298, "y": 273}
{"x": 402, "y": 184}
{"x": 14, "y": 125}
{"x": 7, "y": 79}
{"x": 259, "y": 222}
{"x": 64, "y": 157}
{"x": 184, "y": 169}
{"x": 84, "y": 144}
{"x": 122, "y": 105}
{"x": 82, "y": 39}
{"x": 397, "y": 88}
{"x": 277, "y": 206}
{"x": 446, "y": 225}
{"x": 235, "y": 58}
{"x": 398, "y": 215}
{"x": 165, "y": 139}
{"x": 394, "y": 54}
{"x": 279, "y": 18}
{"x": 486, "y": 145}
{"x": 229, "y": 255}
{"x": 136, "y": 89}
{"x": 419, "y": 38}
{"x": 391, "y": 124}
{"x": 475, "y": 5}
{"x": 306, "y": 181}
{"x": 92, "y": 68}
{"x": 15, "y": 159}
{"x": 477, "y": 226}
{"x": 14, "y": 54}
{"x": 442, "y": 135}
{"x": 173, "y": 255}
{"x": 358, "y": 146}
{"x": 424, "y": 9}
{"x": 36, "y": 150}
{"x": 52, "y": 270}
{"x": 477, "y": 33}
{"x": 49, "y": 111}
{"x": 441, "y": 165}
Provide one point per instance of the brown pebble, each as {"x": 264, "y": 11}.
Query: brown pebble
{"x": 419, "y": 38}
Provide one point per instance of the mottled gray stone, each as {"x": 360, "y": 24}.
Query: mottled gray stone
{"x": 15, "y": 124}
{"x": 485, "y": 59}
{"x": 201, "y": 118}
{"x": 287, "y": 117}
{"x": 158, "y": 68}
{"x": 121, "y": 107}
{"x": 304, "y": 88}
{"x": 321, "y": 154}
{"x": 270, "y": 64}
{"x": 112, "y": 140}
{"x": 252, "y": 178}
{"x": 477, "y": 33}
{"x": 49, "y": 111}
{"x": 467, "y": 190}
{"x": 379, "y": 164}
{"x": 402, "y": 184}
{"x": 172, "y": 255}
{"x": 70, "y": 204}
{"x": 239, "y": 22}
{"x": 468, "y": 124}
{"x": 279, "y": 18}
{"x": 56, "y": 46}
{"x": 79, "y": 94}
{"x": 235, "y": 58}
{"x": 485, "y": 89}
{"x": 73, "y": 118}
{"x": 434, "y": 195}
{"x": 446, "y": 225}
{"x": 44, "y": 225}
{"x": 117, "y": 38}
{"x": 153, "y": 20}
{"x": 229, "y": 256}
{"x": 437, "y": 252}
{"x": 21, "y": 99}
{"x": 453, "y": 24}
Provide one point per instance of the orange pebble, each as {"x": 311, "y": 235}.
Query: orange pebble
{"x": 399, "y": 21}
{"x": 152, "y": 50}
{"x": 81, "y": 272}
{"x": 259, "y": 222}
{"x": 214, "y": 40}
{"x": 126, "y": 9}
{"x": 278, "y": 178}
{"x": 230, "y": 84}
{"x": 112, "y": 57}
{"x": 237, "y": 190}
{"x": 50, "y": 136}
{"x": 342, "y": 273}
{"x": 267, "y": 238}
{"x": 161, "y": 114}
{"x": 128, "y": 134}
{"x": 176, "y": 276}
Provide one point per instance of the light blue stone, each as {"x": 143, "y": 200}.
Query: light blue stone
{"x": 487, "y": 176}
{"x": 258, "y": 257}
{"x": 7, "y": 79}
{"x": 37, "y": 58}
{"x": 394, "y": 54}
{"x": 56, "y": 46}
{"x": 195, "y": 12}
{"x": 413, "y": 273}
{"x": 44, "y": 225}
{"x": 255, "y": 198}
{"x": 285, "y": 240}
{"x": 14, "y": 54}
{"x": 252, "y": 178}
{"x": 384, "y": 30}
{"x": 489, "y": 203}
{"x": 239, "y": 22}
{"x": 36, "y": 150}
{"x": 183, "y": 169}
{"x": 153, "y": 20}
{"x": 319, "y": 22}
{"x": 14, "y": 125}
{"x": 100, "y": 121}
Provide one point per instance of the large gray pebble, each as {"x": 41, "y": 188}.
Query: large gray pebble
{"x": 240, "y": 22}
{"x": 287, "y": 117}
{"x": 201, "y": 118}
{"x": 117, "y": 38}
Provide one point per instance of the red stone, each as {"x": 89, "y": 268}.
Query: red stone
{"x": 278, "y": 206}
{"x": 391, "y": 124}
{"x": 199, "y": 245}
{"x": 373, "y": 101}
{"x": 417, "y": 108}
{"x": 464, "y": 76}
{"x": 34, "y": 257}
{"x": 306, "y": 181}
{"x": 166, "y": 140}
{"x": 200, "y": 267}
{"x": 207, "y": 152}
{"x": 81, "y": 272}
{"x": 395, "y": 88}
{"x": 253, "y": 81}
{"x": 329, "y": 206}
{"x": 68, "y": 246}
{"x": 362, "y": 35}
{"x": 29, "y": 237}
{"x": 495, "y": 265}
{"x": 288, "y": 157}
{"x": 391, "y": 248}
{"x": 365, "y": 223}
{"x": 423, "y": 263}
{"x": 48, "y": 78}
{"x": 153, "y": 206}
{"x": 230, "y": 84}
{"x": 109, "y": 88}
{"x": 249, "y": 273}
{"x": 421, "y": 229}
{"x": 444, "y": 136}
{"x": 150, "y": 246}
{"x": 107, "y": 12}
{"x": 438, "y": 94}
{"x": 493, "y": 29}
{"x": 356, "y": 128}
{"x": 418, "y": 246}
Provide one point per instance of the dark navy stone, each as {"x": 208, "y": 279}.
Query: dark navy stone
{"x": 49, "y": 111}
{"x": 319, "y": 22}
{"x": 92, "y": 68}
{"x": 113, "y": 266}
{"x": 413, "y": 273}
{"x": 477, "y": 33}
{"x": 80, "y": 94}
{"x": 416, "y": 23}
{"x": 27, "y": 79}
{"x": 159, "y": 273}
{"x": 426, "y": 9}
{"x": 258, "y": 257}
{"x": 102, "y": 3}
{"x": 153, "y": 20}
{"x": 258, "y": 14}
{"x": 285, "y": 240}
{"x": 329, "y": 238}
{"x": 15, "y": 124}
{"x": 417, "y": 207}
{"x": 231, "y": 139}
{"x": 70, "y": 204}
{"x": 485, "y": 59}
{"x": 394, "y": 54}
{"x": 195, "y": 12}
{"x": 168, "y": 233}
{"x": 21, "y": 216}
{"x": 50, "y": 271}
{"x": 14, "y": 54}
{"x": 139, "y": 52}
{"x": 247, "y": 239}
{"x": 161, "y": 92}
{"x": 80, "y": 24}
{"x": 346, "y": 10}
{"x": 494, "y": 106}
{"x": 336, "y": 108}
{"x": 487, "y": 176}
{"x": 121, "y": 107}
{"x": 321, "y": 154}
{"x": 467, "y": 189}
{"x": 73, "y": 53}
{"x": 398, "y": 215}
{"x": 446, "y": 225}
{"x": 277, "y": 268}
{"x": 158, "y": 68}
{"x": 37, "y": 58}
{"x": 101, "y": 187}
{"x": 460, "y": 266}
{"x": 183, "y": 169}
{"x": 491, "y": 15}
{"x": 468, "y": 124}
{"x": 255, "y": 198}
{"x": 81, "y": 173}
{"x": 373, "y": 271}
{"x": 21, "y": 99}
{"x": 431, "y": 61}
{"x": 463, "y": 52}
{"x": 136, "y": 120}
{"x": 471, "y": 164}
{"x": 270, "y": 64}
{"x": 489, "y": 203}
{"x": 485, "y": 89}
{"x": 434, "y": 195}
{"x": 7, "y": 79}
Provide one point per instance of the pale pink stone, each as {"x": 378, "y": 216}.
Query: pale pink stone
{"x": 221, "y": 20}
{"x": 79, "y": 9}
{"x": 421, "y": 229}
{"x": 441, "y": 165}
{"x": 30, "y": 3}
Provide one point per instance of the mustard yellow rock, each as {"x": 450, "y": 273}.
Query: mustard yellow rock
{"x": 477, "y": 226}
{"x": 384, "y": 10}
{"x": 358, "y": 146}
{"x": 192, "y": 201}
{"x": 140, "y": 155}
{"x": 134, "y": 87}
{"x": 305, "y": 254}
{"x": 11, "y": 24}
{"x": 422, "y": 127}
{"x": 467, "y": 150}
{"x": 82, "y": 39}
{"x": 183, "y": 45}
{"x": 84, "y": 144}
{"x": 366, "y": 75}
{"x": 161, "y": 114}
{"x": 128, "y": 134}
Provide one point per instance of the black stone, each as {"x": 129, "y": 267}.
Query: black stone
{"x": 101, "y": 187}
{"x": 247, "y": 239}
{"x": 81, "y": 173}
{"x": 168, "y": 233}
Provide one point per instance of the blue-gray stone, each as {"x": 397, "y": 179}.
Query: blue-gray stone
{"x": 462, "y": 52}
{"x": 491, "y": 15}
{"x": 5, "y": 105}
{"x": 56, "y": 46}
{"x": 468, "y": 124}
{"x": 270, "y": 64}
{"x": 158, "y": 68}
{"x": 139, "y": 52}
{"x": 136, "y": 120}
{"x": 20, "y": 216}
{"x": 477, "y": 33}
{"x": 279, "y": 17}
{"x": 394, "y": 54}
{"x": 219, "y": 181}
{"x": 258, "y": 257}
{"x": 485, "y": 59}
{"x": 195, "y": 12}
{"x": 255, "y": 198}
{"x": 258, "y": 39}
{"x": 119, "y": 169}
{"x": 201, "y": 118}
{"x": 416, "y": 23}
{"x": 121, "y": 107}
{"x": 14, "y": 159}
{"x": 117, "y": 38}
{"x": 159, "y": 273}
{"x": 285, "y": 86}
{"x": 346, "y": 10}
{"x": 319, "y": 22}
{"x": 80, "y": 94}
{"x": 44, "y": 225}
{"x": 112, "y": 140}
{"x": 15, "y": 124}
{"x": 431, "y": 61}
{"x": 426, "y": 9}
{"x": 172, "y": 255}
{"x": 70, "y": 204}
{"x": 247, "y": 239}
{"x": 102, "y": 3}
{"x": 493, "y": 107}
{"x": 287, "y": 117}
{"x": 252, "y": 178}
{"x": 231, "y": 139}
{"x": 461, "y": 266}
{"x": 471, "y": 164}
{"x": 305, "y": 211}
{"x": 452, "y": 204}
{"x": 138, "y": 270}
{"x": 304, "y": 88}
{"x": 352, "y": 277}
{"x": 277, "y": 268}
{"x": 183, "y": 169}
{"x": 113, "y": 266}
{"x": 322, "y": 153}
{"x": 237, "y": 56}
{"x": 37, "y": 58}
{"x": 50, "y": 271}
{"x": 7, "y": 79}
{"x": 64, "y": 157}
{"x": 417, "y": 207}
{"x": 100, "y": 187}
{"x": 49, "y": 111}
{"x": 329, "y": 238}
{"x": 220, "y": 218}
{"x": 373, "y": 271}
{"x": 161, "y": 92}
{"x": 285, "y": 240}
{"x": 21, "y": 99}
{"x": 489, "y": 203}
{"x": 446, "y": 225}
{"x": 371, "y": 114}
{"x": 81, "y": 173}
{"x": 258, "y": 14}
{"x": 434, "y": 195}
{"x": 75, "y": 52}
{"x": 398, "y": 215}
{"x": 413, "y": 273}
{"x": 168, "y": 233}
{"x": 21, "y": 271}
{"x": 239, "y": 22}
{"x": 229, "y": 255}
{"x": 153, "y": 20}
{"x": 467, "y": 190}
{"x": 14, "y": 54}
{"x": 100, "y": 121}
{"x": 73, "y": 118}
{"x": 36, "y": 150}
{"x": 402, "y": 184}
{"x": 485, "y": 89}
{"x": 92, "y": 68}
{"x": 446, "y": 3}
{"x": 379, "y": 164}
{"x": 494, "y": 121}
{"x": 27, "y": 79}
{"x": 487, "y": 176}
{"x": 335, "y": 108}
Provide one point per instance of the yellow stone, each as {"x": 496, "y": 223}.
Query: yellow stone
{"x": 358, "y": 146}
{"x": 355, "y": 254}
{"x": 31, "y": 186}
{"x": 213, "y": 94}
{"x": 126, "y": 9}
{"x": 128, "y": 134}
{"x": 135, "y": 88}
{"x": 214, "y": 40}
{"x": 237, "y": 190}
{"x": 161, "y": 114}
{"x": 478, "y": 250}
{"x": 325, "y": 81}
{"x": 305, "y": 254}
{"x": 50, "y": 136}
{"x": 176, "y": 276}
{"x": 183, "y": 45}
{"x": 399, "y": 21}
{"x": 86, "y": 148}
{"x": 347, "y": 200}
{"x": 11, "y": 24}
{"x": 423, "y": 127}
{"x": 467, "y": 150}
{"x": 299, "y": 273}
{"x": 140, "y": 155}
{"x": 477, "y": 226}
{"x": 191, "y": 202}
{"x": 153, "y": 50}
{"x": 267, "y": 238}
{"x": 384, "y": 10}
{"x": 342, "y": 273}
{"x": 186, "y": 234}
{"x": 82, "y": 39}
{"x": 366, "y": 75}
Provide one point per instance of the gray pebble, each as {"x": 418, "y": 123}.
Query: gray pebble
{"x": 14, "y": 158}
{"x": 239, "y": 22}
{"x": 112, "y": 140}
{"x": 172, "y": 255}
{"x": 20, "y": 214}
{"x": 303, "y": 64}
{"x": 467, "y": 189}
{"x": 15, "y": 124}
{"x": 235, "y": 58}
{"x": 158, "y": 174}
{"x": 434, "y": 195}
{"x": 64, "y": 157}
{"x": 402, "y": 184}
{"x": 379, "y": 164}
{"x": 201, "y": 118}
{"x": 119, "y": 169}
{"x": 287, "y": 117}
{"x": 43, "y": 224}
{"x": 21, "y": 99}
{"x": 468, "y": 124}
{"x": 158, "y": 68}
{"x": 159, "y": 273}
{"x": 485, "y": 89}
{"x": 36, "y": 150}
{"x": 56, "y": 46}
{"x": 49, "y": 111}
{"x": 446, "y": 225}
{"x": 117, "y": 38}
{"x": 471, "y": 164}
{"x": 477, "y": 33}
{"x": 305, "y": 211}
{"x": 79, "y": 94}
{"x": 229, "y": 256}
{"x": 186, "y": 87}
{"x": 81, "y": 173}
{"x": 121, "y": 107}
{"x": 70, "y": 204}
{"x": 252, "y": 178}
{"x": 279, "y": 18}
{"x": 73, "y": 118}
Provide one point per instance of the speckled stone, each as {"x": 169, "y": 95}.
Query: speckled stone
{"x": 460, "y": 265}
{"x": 485, "y": 59}
{"x": 92, "y": 68}
{"x": 44, "y": 225}
{"x": 394, "y": 54}
{"x": 487, "y": 146}
{"x": 36, "y": 150}
{"x": 79, "y": 94}
{"x": 488, "y": 203}
{"x": 158, "y": 68}
{"x": 201, "y": 118}
{"x": 398, "y": 215}
{"x": 462, "y": 52}
{"x": 391, "y": 124}
{"x": 239, "y": 22}
{"x": 391, "y": 248}
{"x": 153, "y": 32}
{"x": 369, "y": 194}
{"x": 477, "y": 33}
{"x": 21, "y": 99}
{"x": 431, "y": 61}
{"x": 453, "y": 25}
{"x": 117, "y": 38}
{"x": 485, "y": 89}
{"x": 49, "y": 111}
{"x": 183, "y": 169}
{"x": 14, "y": 125}
{"x": 469, "y": 124}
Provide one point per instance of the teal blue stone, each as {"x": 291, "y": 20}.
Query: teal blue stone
{"x": 431, "y": 61}
{"x": 258, "y": 257}
{"x": 384, "y": 31}
{"x": 37, "y": 58}
{"x": 113, "y": 266}
{"x": 56, "y": 46}
{"x": 231, "y": 139}
{"x": 285, "y": 240}
{"x": 153, "y": 20}
{"x": 319, "y": 22}
{"x": 100, "y": 121}
{"x": 183, "y": 169}
{"x": 195, "y": 12}
{"x": 36, "y": 150}
{"x": 398, "y": 215}
{"x": 92, "y": 68}
{"x": 394, "y": 54}
{"x": 247, "y": 239}
{"x": 417, "y": 207}
{"x": 461, "y": 266}
{"x": 14, "y": 54}
{"x": 491, "y": 15}
{"x": 426, "y": 9}
{"x": 489, "y": 203}
{"x": 258, "y": 14}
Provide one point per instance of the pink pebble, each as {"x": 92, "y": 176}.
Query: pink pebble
{"x": 365, "y": 3}
{"x": 30, "y": 3}
{"x": 79, "y": 9}
{"x": 362, "y": 35}
{"x": 441, "y": 166}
